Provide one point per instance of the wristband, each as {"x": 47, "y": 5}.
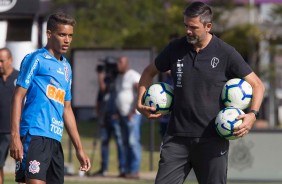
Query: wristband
{"x": 256, "y": 113}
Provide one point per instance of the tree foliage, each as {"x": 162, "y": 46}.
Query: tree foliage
{"x": 276, "y": 14}
{"x": 239, "y": 37}
{"x": 145, "y": 23}
{"x": 124, "y": 23}
{"x": 245, "y": 38}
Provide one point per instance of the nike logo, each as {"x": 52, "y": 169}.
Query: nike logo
{"x": 222, "y": 152}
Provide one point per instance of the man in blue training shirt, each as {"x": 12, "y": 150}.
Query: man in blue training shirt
{"x": 36, "y": 130}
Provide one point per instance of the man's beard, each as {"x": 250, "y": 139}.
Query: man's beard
{"x": 192, "y": 40}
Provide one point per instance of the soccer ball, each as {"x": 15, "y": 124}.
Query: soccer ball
{"x": 226, "y": 121}
{"x": 237, "y": 93}
{"x": 160, "y": 96}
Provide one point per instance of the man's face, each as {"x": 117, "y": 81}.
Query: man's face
{"x": 196, "y": 31}
{"x": 5, "y": 62}
{"x": 61, "y": 38}
{"x": 122, "y": 65}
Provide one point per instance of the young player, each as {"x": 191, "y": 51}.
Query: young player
{"x": 36, "y": 129}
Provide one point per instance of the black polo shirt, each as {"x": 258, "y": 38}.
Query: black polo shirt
{"x": 198, "y": 81}
{"x": 6, "y": 93}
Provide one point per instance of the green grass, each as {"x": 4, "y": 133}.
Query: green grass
{"x": 89, "y": 135}
{"x": 89, "y": 132}
{"x": 9, "y": 180}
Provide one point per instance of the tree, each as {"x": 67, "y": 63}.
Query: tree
{"x": 124, "y": 23}
{"x": 245, "y": 38}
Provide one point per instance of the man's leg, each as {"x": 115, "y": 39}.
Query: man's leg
{"x": 105, "y": 140}
{"x": 20, "y": 166}
{"x": 210, "y": 160}
{"x": 135, "y": 143}
{"x": 41, "y": 152}
{"x": 125, "y": 140}
{"x": 4, "y": 145}
{"x": 174, "y": 164}
{"x": 35, "y": 181}
{"x": 55, "y": 172}
{"x": 1, "y": 175}
{"x": 120, "y": 146}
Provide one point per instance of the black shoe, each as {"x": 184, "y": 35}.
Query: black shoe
{"x": 100, "y": 173}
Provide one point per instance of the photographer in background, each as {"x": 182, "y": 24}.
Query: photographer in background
{"x": 126, "y": 85}
{"x": 107, "y": 115}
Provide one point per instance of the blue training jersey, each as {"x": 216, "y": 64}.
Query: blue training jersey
{"x": 48, "y": 84}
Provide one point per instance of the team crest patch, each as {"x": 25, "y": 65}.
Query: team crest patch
{"x": 34, "y": 167}
{"x": 214, "y": 62}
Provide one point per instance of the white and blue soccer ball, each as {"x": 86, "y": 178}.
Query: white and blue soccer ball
{"x": 160, "y": 96}
{"x": 226, "y": 121}
{"x": 237, "y": 93}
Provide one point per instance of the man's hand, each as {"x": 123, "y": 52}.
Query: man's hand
{"x": 148, "y": 112}
{"x": 85, "y": 164}
{"x": 243, "y": 129}
{"x": 16, "y": 148}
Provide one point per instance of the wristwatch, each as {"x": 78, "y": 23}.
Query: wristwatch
{"x": 256, "y": 113}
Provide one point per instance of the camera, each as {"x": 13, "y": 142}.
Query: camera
{"x": 109, "y": 66}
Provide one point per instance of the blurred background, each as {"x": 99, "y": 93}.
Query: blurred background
{"x": 140, "y": 29}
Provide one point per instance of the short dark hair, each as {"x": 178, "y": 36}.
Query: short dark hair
{"x": 59, "y": 18}
{"x": 7, "y": 50}
{"x": 199, "y": 9}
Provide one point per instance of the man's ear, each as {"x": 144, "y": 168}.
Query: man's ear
{"x": 208, "y": 27}
{"x": 48, "y": 33}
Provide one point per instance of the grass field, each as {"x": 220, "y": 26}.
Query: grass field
{"x": 89, "y": 133}
{"x": 9, "y": 180}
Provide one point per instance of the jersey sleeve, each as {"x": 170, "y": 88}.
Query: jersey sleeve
{"x": 238, "y": 67}
{"x": 28, "y": 69}
{"x": 162, "y": 61}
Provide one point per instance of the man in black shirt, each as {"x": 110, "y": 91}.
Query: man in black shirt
{"x": 7, "y": 85}
{"x": 200, "y": 65}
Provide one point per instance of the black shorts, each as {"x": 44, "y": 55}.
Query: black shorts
{"x": 207, "y": 156}
{"x": 43, "y": 160}
{"x": 4, "y": 145}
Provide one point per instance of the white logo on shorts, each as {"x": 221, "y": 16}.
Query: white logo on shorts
{"x": 34, "y": 167}
{"x": 222, "y": 152}
{"x": 18, "y": 165}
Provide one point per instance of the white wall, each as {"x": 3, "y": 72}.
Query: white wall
{"x": 3, "y": 33}
{"x": 19, "y": 50}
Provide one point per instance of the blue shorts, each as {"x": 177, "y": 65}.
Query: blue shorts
{"x": 4, "y": 145}
{"x": 43, "y": 160}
